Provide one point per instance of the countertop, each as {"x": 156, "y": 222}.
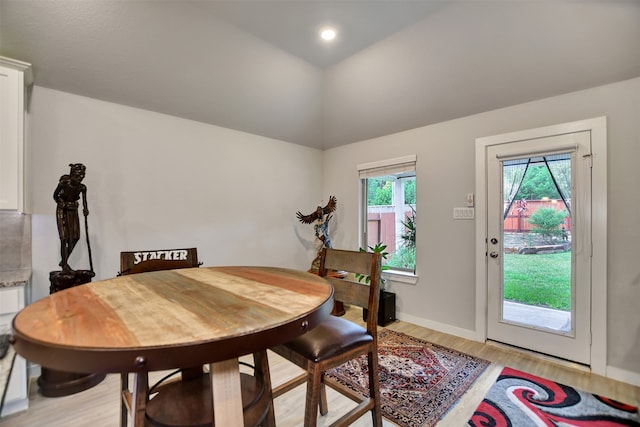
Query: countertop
{"x": 18, "y": 277}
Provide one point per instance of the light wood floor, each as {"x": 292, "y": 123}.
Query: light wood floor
{"x": 99, "y": 406}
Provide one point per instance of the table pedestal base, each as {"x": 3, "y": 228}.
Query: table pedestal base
{"x": 57, "y": 383}
{"x": 188, "y": 403}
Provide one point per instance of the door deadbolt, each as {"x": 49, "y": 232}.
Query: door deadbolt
{"x": 494, "y": 240}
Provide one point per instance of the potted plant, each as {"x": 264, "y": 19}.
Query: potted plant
{"x": 387, "y": 303}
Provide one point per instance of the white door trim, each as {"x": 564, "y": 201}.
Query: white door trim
{"x": 598, "y": 128}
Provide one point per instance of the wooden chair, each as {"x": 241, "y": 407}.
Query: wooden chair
{"x": 338, "y": 340}
{"x": 184, "y": 402}
{"x": 133, "y": 262}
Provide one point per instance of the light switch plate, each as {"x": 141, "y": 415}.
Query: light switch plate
{"x": 464, "y": 213}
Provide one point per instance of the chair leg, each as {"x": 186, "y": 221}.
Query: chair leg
{"x": 261, "y": 362}
{"x": 124, "y": 411}
{"x": 314, "y": 381}
{"x": 139, "y": 400}
{"x": 374, "y": 389}
{"x": 324, "y": 407}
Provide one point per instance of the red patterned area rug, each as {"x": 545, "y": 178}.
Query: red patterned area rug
{"x": 519, "y": 399}
{"x": 419, "y": 381}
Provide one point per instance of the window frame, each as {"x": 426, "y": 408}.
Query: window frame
{"x": 397, "y": 166}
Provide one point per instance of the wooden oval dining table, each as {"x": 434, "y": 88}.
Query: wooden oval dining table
{"x": 174, "y": 319}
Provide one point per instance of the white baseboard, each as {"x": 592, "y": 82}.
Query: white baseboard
{"x": 441, "y": 327}
{"x": 14, "y": 407}
{"x": 624, "y": 376}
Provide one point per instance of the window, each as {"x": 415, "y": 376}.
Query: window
{"x": 389, "y": 210}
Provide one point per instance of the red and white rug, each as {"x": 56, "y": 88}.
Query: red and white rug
{"x": 518, "y": 399}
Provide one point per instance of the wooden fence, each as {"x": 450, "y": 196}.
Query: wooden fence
{"x": 381, "y": 228}
{"x": 518, "y": 221}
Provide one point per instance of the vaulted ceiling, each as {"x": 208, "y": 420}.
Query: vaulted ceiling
{"x": 257, "y": 65}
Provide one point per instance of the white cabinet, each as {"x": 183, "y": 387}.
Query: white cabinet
{"x": 15, "y": 76}
{"x": 16, "y": 399}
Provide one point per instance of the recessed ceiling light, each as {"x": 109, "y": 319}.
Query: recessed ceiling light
{"x": 328, "y": 34}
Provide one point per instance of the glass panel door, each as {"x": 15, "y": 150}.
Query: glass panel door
{"x": 539, "y": 245}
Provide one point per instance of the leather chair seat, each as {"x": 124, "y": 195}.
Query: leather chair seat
{"x": 332, "y": 337}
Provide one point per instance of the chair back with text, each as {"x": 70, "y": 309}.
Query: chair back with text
{"x": 133, "y": 262}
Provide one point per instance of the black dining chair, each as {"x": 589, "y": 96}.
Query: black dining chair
{"x": 337, "y": 340}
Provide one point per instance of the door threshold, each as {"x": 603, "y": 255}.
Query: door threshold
{"x": 542, "y": 356}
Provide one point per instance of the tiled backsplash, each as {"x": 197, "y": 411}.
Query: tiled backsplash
{"x": 15, "y": 241}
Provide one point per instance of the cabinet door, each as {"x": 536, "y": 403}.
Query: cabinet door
{"x": 12, "y": 90}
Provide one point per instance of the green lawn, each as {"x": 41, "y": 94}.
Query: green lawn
{"x": 542, "y": 280}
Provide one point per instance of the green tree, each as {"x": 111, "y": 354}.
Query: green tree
{"x": 537, "y": 183}
{"x": 379, "y": 192}
{"x": 410, "y": 191}
{"x": 546, "y": 221}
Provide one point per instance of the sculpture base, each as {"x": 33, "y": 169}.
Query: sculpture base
{"x": 61, "y": 280}
{"x": 54, "y": 383}
{"x": 57, "y": 383}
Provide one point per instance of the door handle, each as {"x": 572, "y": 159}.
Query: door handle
{"x": 493, "y": 254}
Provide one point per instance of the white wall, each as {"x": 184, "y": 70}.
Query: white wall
{"x": 157, "y": 181}
{"x": 444, "y": 297}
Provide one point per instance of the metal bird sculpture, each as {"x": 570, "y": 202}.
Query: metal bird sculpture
{"x": 319, "y": 212}
{"x": 321, "y": 217}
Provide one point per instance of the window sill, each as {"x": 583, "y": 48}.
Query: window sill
{"x": 398, "y": 276}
